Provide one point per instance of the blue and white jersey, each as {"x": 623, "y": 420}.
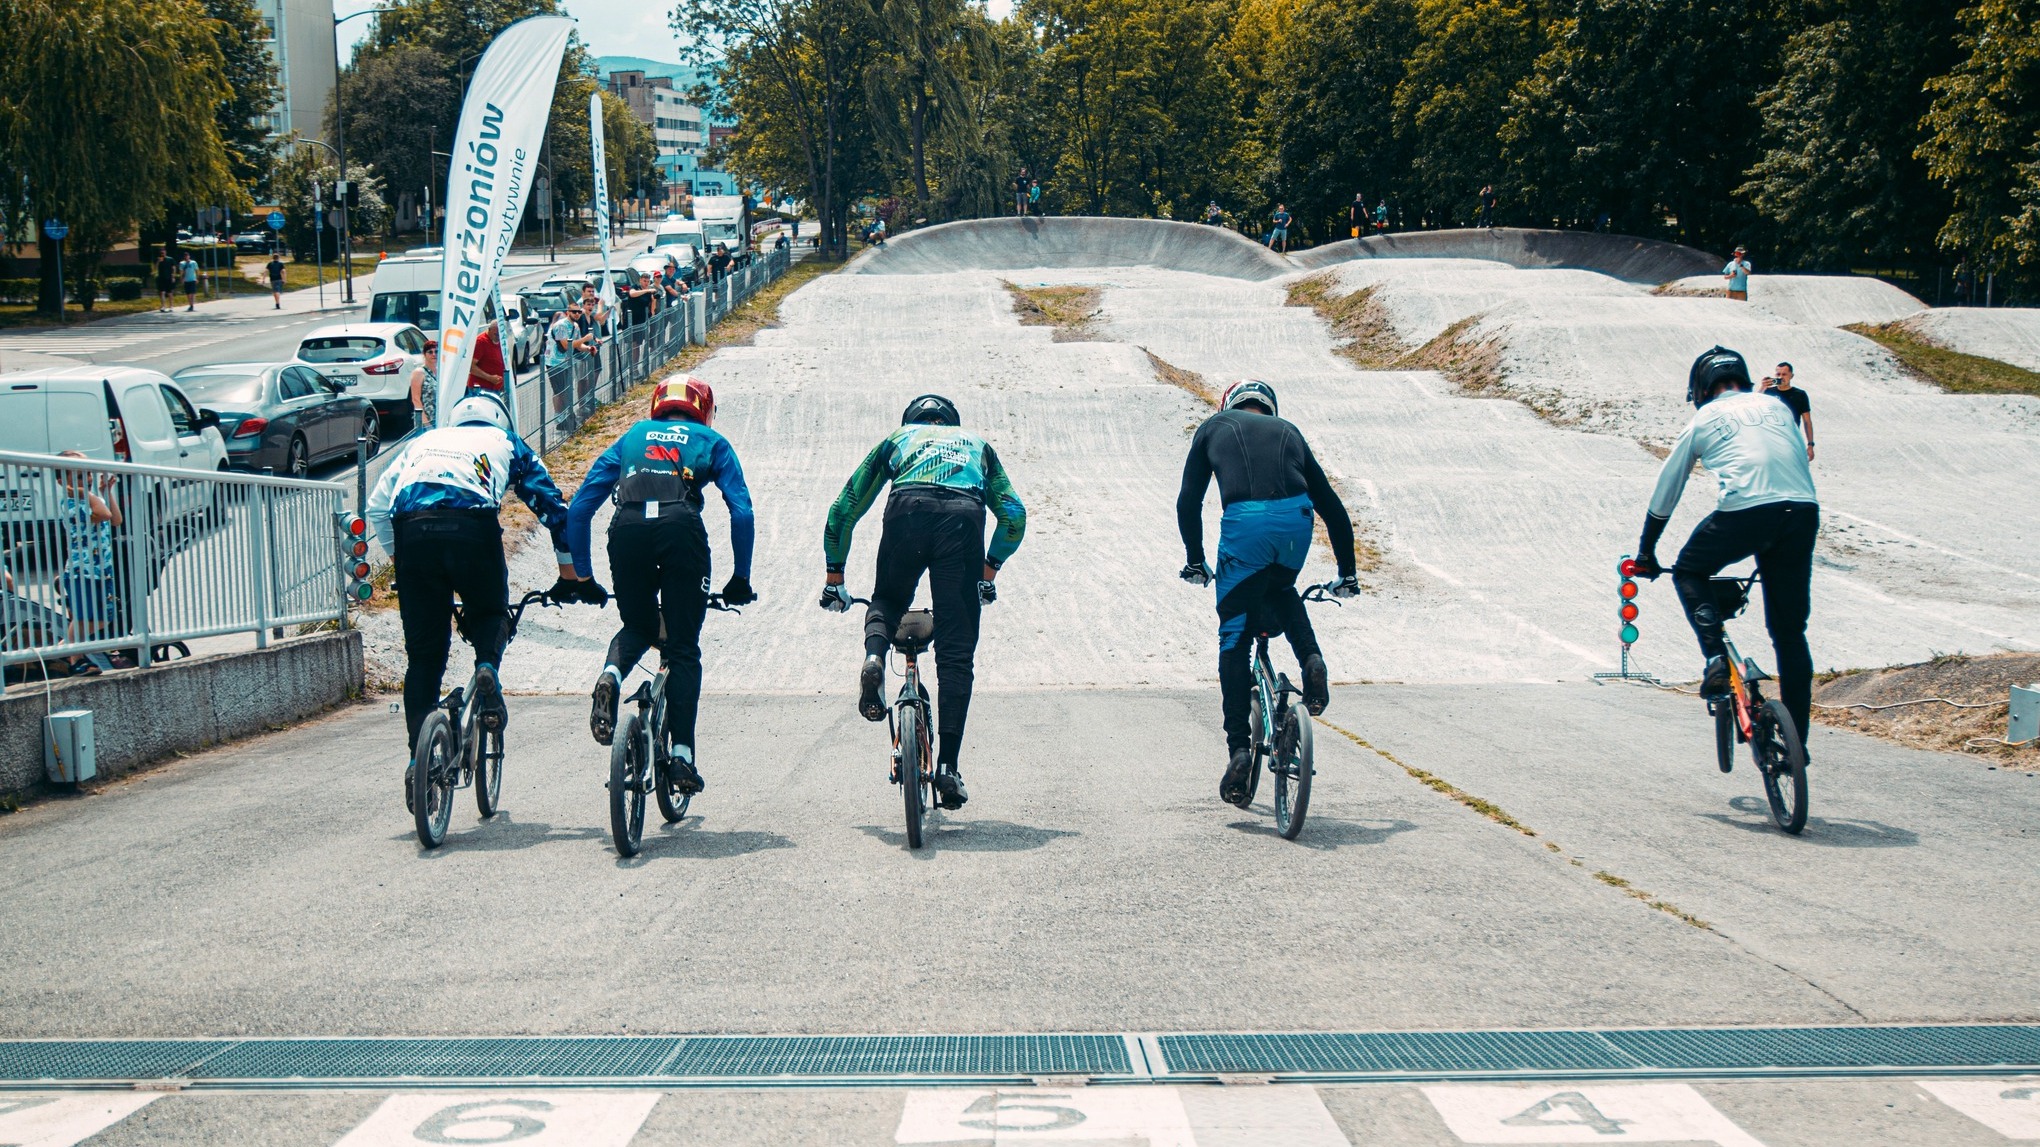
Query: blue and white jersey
{"x": 468, "y": 467}
{"x": 1751, "y": 443}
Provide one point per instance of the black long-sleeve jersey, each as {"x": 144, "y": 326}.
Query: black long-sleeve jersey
{"x": 1257, "y": 458}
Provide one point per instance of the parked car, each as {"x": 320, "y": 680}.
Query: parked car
{"x": 255, "y": 242}
{"x": 282, "y": 416}
{"x": 370, "y": 360}
{"x": 527, "y": 332}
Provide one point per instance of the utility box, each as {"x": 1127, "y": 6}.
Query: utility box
{"x": 2025, "y": 719}
{"x": 68, "y": 752}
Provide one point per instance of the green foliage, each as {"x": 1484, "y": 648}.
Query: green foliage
{"x": 1452, "y": 100}
{"x": 1984, "y": 127}
{"x": 103, "y": 164}
{"x": 292, "y": 181}
{"x": 1328, "y": 124}
{"x": 397, "y": 98}
{"x": 250, "y": 73}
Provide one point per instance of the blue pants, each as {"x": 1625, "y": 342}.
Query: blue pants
{"x": 1261, "y": 549}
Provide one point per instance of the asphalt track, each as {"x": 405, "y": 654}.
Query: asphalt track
{"x": 1095, "y": 884}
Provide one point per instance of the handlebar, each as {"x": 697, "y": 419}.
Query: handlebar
{"x": 1322, "y": 593}
{"x": 716, "y": 603}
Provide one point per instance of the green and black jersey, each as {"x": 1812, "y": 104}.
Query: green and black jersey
{"x": 942, "y": 457}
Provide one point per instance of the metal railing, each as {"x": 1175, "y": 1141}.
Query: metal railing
{"x": 553, "y": 402}
{"x": 100, "y": 557}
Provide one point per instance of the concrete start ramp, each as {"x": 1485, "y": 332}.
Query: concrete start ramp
{"x": 1619, "y": 256}
{"x": 1074, "y": 241}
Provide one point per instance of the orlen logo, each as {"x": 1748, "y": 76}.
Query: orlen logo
{"x": 676, "y": 434}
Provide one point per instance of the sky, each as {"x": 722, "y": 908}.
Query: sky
{"x": 608, "y": 27}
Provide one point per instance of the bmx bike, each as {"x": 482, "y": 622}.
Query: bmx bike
{"x": 640, "y": 761}
{"x": 1745, "y": 715}
{"x": 1281, "y": 729}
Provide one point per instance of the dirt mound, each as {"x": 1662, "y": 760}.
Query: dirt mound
{"x": 1958, "y": 703}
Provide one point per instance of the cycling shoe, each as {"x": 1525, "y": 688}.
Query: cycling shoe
{"x": 871, "y": 682}
{"x": 1714, "y": 681}
{"x": 602, "y": 714}
{"x": 1317, "y": 689}
{"x": 489, "y": 699}
{"x": 1232, "y": 789}
{"x": 682, "y": 772}
{"x": 949, "y": 790}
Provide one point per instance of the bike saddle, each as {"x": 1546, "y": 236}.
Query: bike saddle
{"x": 915, "y": 631}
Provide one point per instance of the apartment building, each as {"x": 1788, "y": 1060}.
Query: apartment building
{"x": 301, "y": 42}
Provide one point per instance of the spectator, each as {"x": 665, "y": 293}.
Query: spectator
{"x": 877, "y": 232}
{"x": 638, "y": 300}
{"x": 1486, "y": 217}
{"x": 166, "y": 280}
{"x": 595, "y": 317}
{"x": 189, "y": 270}
{"x": 425, "y": 388}
{"x": 1381, "y": 217}
{"x": 1034, "y": 197}
{"x": 673, "y": 288}
{"x": 1356, "y": 215}
{"x": 1737, "y": 275}
{"x": 1213, "y": 215}
{"x": 1020, "y": 183}
{"x": 275, "y": 269}
{"x": 1780, "y": 384}
{"x": 567, "y": 338}
{"x": 87, "y": 583}
{"x": 485, "y": 369}
{"x": 719, "y": 263}
{"x": 1279, "y": 233}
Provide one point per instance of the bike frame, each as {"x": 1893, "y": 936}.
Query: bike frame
{"x": 460, "y": 704}
{"x": 910, "y": 695}
{"x": 1745, "y": 695}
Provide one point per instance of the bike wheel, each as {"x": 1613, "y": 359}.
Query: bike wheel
{"x": 1292, "y": 766}
{"x": 1781, "y": 758}
{"x": 911, "y": 765}
{"x": 627, "y": 764}
{"x": 672, "y": 802}
{"x": 488, "y": 771}
{"x": 1258, "y": 729}
{"x": 1724, "y": 734}
{"x": 432, "y": 776}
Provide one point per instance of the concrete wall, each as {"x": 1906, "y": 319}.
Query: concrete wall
{"x": 144, "y": 715}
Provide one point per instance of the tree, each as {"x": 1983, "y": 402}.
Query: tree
{"x": 103, "y": 164}
{"x": 1328, "y": 111}
{"x": 1453, "y": 98}
{"x": 916, "y": 81}
{"x": 629, "y": 146}
{"x": 1983, "y": 125}
{"x": 250, "y": 74}
{"x": 1839, "y": 181}
{"x": 396, "y": 99}
{"x": 292, "y": 180}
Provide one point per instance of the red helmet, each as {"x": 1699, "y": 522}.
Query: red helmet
{"x": 683, "y": 396}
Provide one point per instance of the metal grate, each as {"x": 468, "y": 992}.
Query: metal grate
{"x": 901, "y": 1055}
{"x": 102, "y": 1058}
{"x": 512, "y": 1058}
{"x": 1445, "y": 1052}
{"x": 1980, "y": 1045}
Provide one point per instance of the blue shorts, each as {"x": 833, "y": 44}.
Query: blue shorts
{"x": 90, "y": 600}
{"x": 1253, "y": 536}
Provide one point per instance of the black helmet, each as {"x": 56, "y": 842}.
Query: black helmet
{"x": 931, "y": 408}
{"x": 1713, "y": 368}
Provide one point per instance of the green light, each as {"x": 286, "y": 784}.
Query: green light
{"x": 1629, "y": 635}
{"x": 362, "y": 591}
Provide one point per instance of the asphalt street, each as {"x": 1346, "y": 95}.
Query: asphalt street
{"x": 1864, "y": 1113}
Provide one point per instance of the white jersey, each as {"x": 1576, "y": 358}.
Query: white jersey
{"x": 469, "y": 467}
{"x": 1751, "y": 443}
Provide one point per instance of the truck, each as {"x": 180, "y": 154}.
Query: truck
{"x": 722, "y": 220}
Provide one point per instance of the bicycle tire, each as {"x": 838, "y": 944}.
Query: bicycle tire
{"x": 1293, "y": 766}
{"x": 1724, "y": 734}
{"x": 432, "y": 769}
{"x": 672, "y": 802}
{"x": 1257, "y": 729}
{"x": 1781, "y": 758}
{"x": 488, "y": 771}
{"x": 627, "y": 764}
{"x": 910, "y": 771}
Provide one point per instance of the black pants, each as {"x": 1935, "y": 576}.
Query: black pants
{"x": 1780, "y": 536}
{"x": 659, "y": 568}
{"x": 944, "y": 536}
{"x": 439, "y": 554}
{"x": 1267, "y": 601}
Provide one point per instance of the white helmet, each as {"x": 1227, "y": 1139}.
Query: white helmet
{"x": 481, "y": 406}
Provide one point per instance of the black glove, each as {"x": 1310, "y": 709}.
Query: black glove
{"x": 1196, "y": 573}
{"x": 1646, "y": 547}
{"x": 565, "y": 591}
{"x": 1647, "y": 567}
{"x": 988, "y": 591}
{"x": 593, "y": 594}
{"x": 737, "y": 591}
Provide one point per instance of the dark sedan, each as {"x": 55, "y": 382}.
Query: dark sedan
{"x": 281, "y": 416}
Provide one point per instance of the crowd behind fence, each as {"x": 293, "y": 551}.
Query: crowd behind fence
{"x": 114, "y": 564}
{"x": 553, "y": 402}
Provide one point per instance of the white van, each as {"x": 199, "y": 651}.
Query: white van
{"x": 722, "y": 220}
{"x": 406, "y": 290}
{"x": 680, "y": 233}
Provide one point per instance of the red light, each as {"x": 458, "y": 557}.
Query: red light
{"x": 1628, "y": 567}
{"x": 251, "y": 428}
{"x": 359, "y": 571}
{"x": 1629, "y": 611}
{"x": 1628, "y": 590}
{"x": 358, "y": 549}
{"x": 357, "y": 526}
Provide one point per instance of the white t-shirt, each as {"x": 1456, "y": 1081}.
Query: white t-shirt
{"x": 1751, "y": 443}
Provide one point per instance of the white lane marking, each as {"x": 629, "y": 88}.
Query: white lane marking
{"x": 62, "y": 1120}
{"x": 1902, "y": 536}
{"x": 534, "y": 1119}
{"x": 1634, "y": 1113}
{"x": 1293, "y": 1116}
{"x": 1152, "y": 1116}
{"x": 2010, "y": 1107}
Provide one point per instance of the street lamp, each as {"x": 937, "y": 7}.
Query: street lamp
{"x": 340, "y": 155}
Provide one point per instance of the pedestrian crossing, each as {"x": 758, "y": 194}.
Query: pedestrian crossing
{"x": 140, "y": 330}
{"x": 1728, "y": 1114}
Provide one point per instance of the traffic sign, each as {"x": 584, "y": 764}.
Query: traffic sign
{"x": 55, "y": 229}
{"x": 276, "y": 220}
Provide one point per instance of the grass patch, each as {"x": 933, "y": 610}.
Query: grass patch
{"x": 1475, "y": 364}
{"x": 1188, "y": 380}
{"x": 1358, "y": 318}
{"x": 1072, "y": 311}
{"x": 1951, "y": 704}
{"x": 1628, "y": 889}
{"x": 26, "y": 316}
{"x": 1951, "y": 370}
